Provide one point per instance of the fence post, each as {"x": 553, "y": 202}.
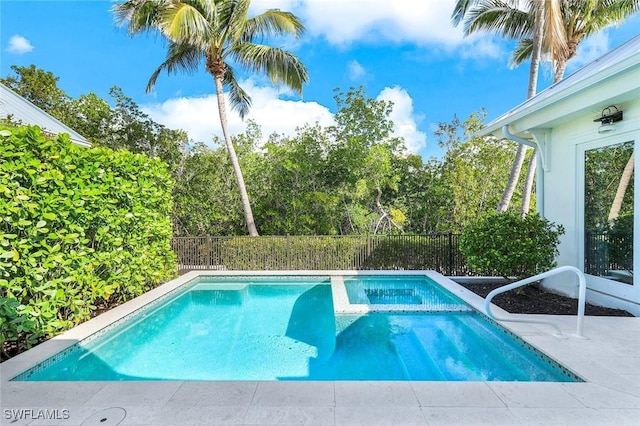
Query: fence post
{"x": 450, "y": 266}
{"x": 208, "y": 245}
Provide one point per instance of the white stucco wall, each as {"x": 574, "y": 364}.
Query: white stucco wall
{"x": 563, "y": 200}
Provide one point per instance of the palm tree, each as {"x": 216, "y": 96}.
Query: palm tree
{"x": 549, "y": 37}
{"x": 541, "y": 21}
{"x": 581, "y": 19}
{"x": 220, "y": 32}
{"x": 578, "y": 19}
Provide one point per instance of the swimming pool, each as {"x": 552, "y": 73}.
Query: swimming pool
{"x": 302, "y": 328}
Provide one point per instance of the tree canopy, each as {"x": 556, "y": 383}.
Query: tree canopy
{"x": 353, "y": 177}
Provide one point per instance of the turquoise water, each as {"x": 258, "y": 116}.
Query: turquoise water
{"x": 407, "y": 290}
{"x": 277, "y": 330}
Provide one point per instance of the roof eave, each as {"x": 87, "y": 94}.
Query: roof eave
{"x": 557, "y": 93}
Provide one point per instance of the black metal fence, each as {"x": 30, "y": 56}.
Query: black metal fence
{"x": 439, "y": 252}
{"x": 608, "y": 251}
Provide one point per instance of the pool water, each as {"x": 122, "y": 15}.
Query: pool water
{"x": 400, "y": 290}
{"x": 286, "y": 329}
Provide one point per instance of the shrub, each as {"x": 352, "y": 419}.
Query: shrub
{"x": 511, "y": 246}
{"x": 79, "y": 228}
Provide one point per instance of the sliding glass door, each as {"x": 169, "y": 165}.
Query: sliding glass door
{"x": 608, "y": 211}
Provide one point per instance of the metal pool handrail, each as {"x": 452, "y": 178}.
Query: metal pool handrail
{"x": 581, "y": 300}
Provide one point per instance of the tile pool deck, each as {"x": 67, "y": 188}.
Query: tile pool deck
{"x": 609, "y": 362}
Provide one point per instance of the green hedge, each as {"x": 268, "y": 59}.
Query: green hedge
{"x": 291, "y": 253}
{"x": 79, "y": 229}
{"x": 509, "y": 245}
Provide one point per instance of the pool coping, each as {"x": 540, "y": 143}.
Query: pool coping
{"x": 609, "y": 362}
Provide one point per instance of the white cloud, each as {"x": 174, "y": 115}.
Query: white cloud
{"x": 404, "y": 119}
{"x": 589, "y": 50}
{"x": 259, "y": 6}
{"x": 19, "y": 45}
{"x": 199, "y": 116}
{"x": 356, "y": 70}
{"x": 483, "y": 46}
{"x": 342, "y": 22}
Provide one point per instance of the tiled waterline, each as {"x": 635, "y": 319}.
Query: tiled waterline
{"x": 609, "y": 362}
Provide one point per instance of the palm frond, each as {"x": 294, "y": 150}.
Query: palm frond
{"x": 460, "y": 10}
{"x": 523, "y": 52}
{"x": 499, "y": 17}
{"x": 219, "y": 30}
{"x": 240, "y": 100}
{"x": 279, "y": 65}
{"x": 186, "y": 22}
{"x": 138, "y": 15}
{"x": 597, "y": 15}
{"x": 554, "y": 33}
{"x": 207, "y": 8}
{"x": 233, "y": 18}
{"x": 180, "y": 57}
{"x": 273, "y": 22}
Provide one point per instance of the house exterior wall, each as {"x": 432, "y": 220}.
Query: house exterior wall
{"x": 562, "y": 199}
{"x": 560, "y": 121}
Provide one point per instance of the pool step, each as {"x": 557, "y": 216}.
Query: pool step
{"x": 454, "y": 360}
{"x": 521, "y": 365}
{"x": 467, "y": 345}
{"x": 417, "y": 362}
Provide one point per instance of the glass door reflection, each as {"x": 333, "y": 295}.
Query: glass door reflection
{"x": 608, "y": 210}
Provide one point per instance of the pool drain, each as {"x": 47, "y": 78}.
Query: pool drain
{"x": 107, "y": 417}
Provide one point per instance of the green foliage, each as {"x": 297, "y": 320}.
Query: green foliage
{"x": 294, "y": 193}
{"x": 338, "y": 180}
{"x": 79, "y": 228}
{"x": 123, "y": 126}
{"x": 353, "y": 177}
{"x": 446, "y": 195}
{"x": 604, "y": 169}
{"x": 295, "y": 253}
{"x": 206, "y": 199}
{"x": 511, "y": 246}
{"x": 39, "y": 87}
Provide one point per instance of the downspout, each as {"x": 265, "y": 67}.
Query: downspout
{"x": 540, "y": 179}
{"x": 518, "y": 139}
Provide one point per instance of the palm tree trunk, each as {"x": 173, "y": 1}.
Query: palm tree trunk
{"x": 627, "y": 173}
{"x": 559, "y": 74}
{"x": 246, "y": 205}
{"x": 528, "y": 184}
{"x": 514, "y": 175}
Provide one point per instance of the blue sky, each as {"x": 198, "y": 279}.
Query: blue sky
{"x": 405, "y": 51}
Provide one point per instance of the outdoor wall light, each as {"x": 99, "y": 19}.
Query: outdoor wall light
{"x": 607, "y": 118}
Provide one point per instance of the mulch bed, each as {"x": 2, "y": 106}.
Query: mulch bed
{"x": 533, "y": 300}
